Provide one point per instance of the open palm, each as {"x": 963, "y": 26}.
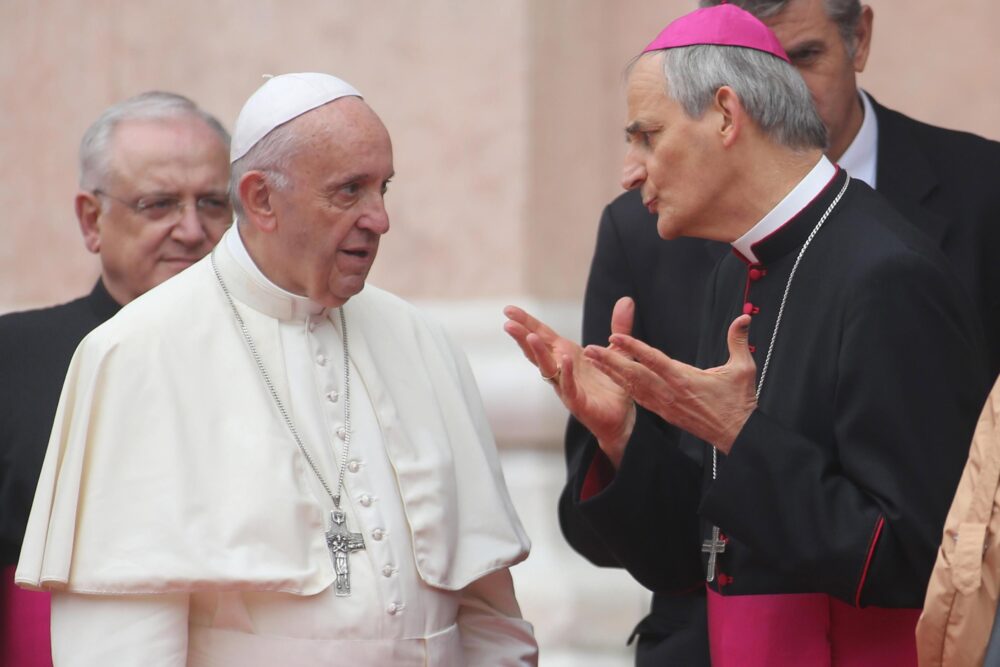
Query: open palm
{"x": 594, "y": 399}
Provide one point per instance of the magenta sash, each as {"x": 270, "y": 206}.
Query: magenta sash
{"x": 24, "y": 625}
{"x": 807, "y": 629}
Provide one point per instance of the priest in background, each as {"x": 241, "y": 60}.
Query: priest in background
{"x": 836, "y": 399}
{"x": 265, "y": 461}
{"x": 154, "y": 171}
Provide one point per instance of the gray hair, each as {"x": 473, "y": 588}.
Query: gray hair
{"x": 95, "y": 147}
{"x": 271, "y": 155}
{"x": 772, "y": 91}
{"x": 845, "y": 13}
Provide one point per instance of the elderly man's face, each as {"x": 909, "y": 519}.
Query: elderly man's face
{"x": 671, "y": 158}
{"x": 332, "y": 214}
{"x": 163, "y": 206}
{"x": 814, "y": 45}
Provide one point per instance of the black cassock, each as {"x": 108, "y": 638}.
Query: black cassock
{"x": 35, "y": 349}
{"x": 840, "y": 481}
{"x": 943, "y": 182}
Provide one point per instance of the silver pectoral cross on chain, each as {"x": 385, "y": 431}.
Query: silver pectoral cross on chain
{"x": 713, "y": 547}
{"x": 341, "y": 543}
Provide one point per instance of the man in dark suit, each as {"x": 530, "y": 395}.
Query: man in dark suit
{"x": 154, "y": 173}
{"x": 944, "y": 182}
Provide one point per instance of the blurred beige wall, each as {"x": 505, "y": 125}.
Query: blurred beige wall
{"x": 506, "y": 116}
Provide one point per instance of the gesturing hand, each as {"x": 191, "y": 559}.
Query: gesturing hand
{"x": 711, "y": 404}
{"x": 593, "y": 398}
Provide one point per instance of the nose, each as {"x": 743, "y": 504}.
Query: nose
{"x": 189, "y": 229}
{"x": 633, "y": 171}
{"x": 375, "y": 219}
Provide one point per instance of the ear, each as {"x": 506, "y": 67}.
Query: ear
{"x": 863, "y": 38}
{"x": 728, "y": 106}
{"x": 255, "y": 196}
{"x": 88, "y": 212}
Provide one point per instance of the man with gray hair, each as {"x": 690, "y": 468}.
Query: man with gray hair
{"x": 152, "y": 201}
{"x": 827, "y": 397}
{"x": 941, "y": 181}
{"x": 302, "y": 472}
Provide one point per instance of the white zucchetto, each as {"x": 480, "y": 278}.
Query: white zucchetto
{"x": 281, "y": 99}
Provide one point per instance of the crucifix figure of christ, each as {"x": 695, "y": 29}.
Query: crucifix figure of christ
{"x": 342, "y": 542}
{"x": 713, "y": 547}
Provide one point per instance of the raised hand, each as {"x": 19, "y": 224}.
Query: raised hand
{"x": 593, "y": 398}
{"x": 711, "y": 404}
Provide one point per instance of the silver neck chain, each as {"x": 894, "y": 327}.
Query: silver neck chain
{"x": 342, "y": 463}
{"x": 781, "y": 308}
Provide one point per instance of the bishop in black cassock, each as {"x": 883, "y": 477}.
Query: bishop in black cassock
{"x": 837, "y": 485}
{"x": 938, "y": 179}
{"x": 828, "y": 509}
{"x": 942, "y": 181}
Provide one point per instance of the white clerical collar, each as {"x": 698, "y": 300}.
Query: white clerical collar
{"x": 801, "y": 196}
{"x": 258, "y": 291}
{"x": 860, "y": 160}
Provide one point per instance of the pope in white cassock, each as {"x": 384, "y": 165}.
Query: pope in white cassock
{"x": 264, "y": 462}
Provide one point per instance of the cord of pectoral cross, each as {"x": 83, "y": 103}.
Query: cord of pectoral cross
{"x": 342, "y": 463}
{"x": 781, "y": 307}
{"x": 717, "y": 544}
{"x": 339, "y": 540}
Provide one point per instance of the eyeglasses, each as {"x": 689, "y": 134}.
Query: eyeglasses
{"x": 162, "y": 208}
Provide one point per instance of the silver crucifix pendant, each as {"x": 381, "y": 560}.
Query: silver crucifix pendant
{"x": 342, "y": 542}
{"x": 713, "y": 548}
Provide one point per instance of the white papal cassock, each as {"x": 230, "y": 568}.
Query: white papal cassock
{"x": 179, "y": 524}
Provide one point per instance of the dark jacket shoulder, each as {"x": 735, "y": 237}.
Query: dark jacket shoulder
{"x": 949, "y": 144}
{"x": 42, "y": 327}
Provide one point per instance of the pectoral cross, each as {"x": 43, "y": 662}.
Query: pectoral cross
{"x": 713, "y": 547}
{"x": 342, "y": 542}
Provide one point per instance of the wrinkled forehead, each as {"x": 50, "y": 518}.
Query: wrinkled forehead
{"x": 645, "y": 77}
{"x": 343, "y": 134}
{"x": 166, "y": 129}
{"x": 346, "y": 119}
{"x": 140, "y": 146}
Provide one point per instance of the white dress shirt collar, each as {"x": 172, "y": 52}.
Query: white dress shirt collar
{"x": 860, "y": 160}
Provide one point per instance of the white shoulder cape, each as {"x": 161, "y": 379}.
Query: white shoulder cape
{"x": 168, "y": 468}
